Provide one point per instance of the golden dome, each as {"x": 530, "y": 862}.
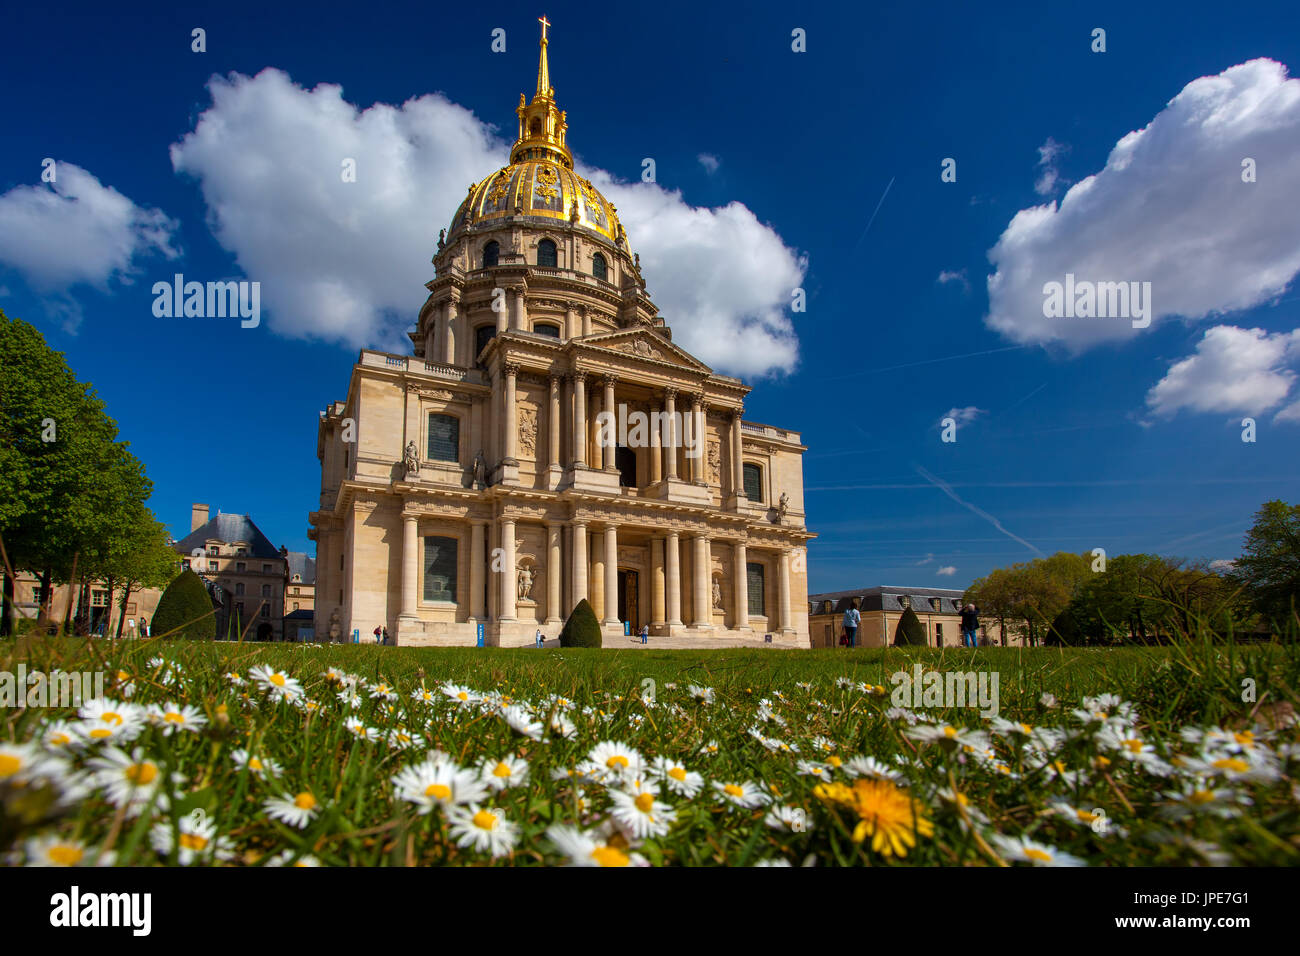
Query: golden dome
{"x": 542, "y": 189}
{"x": 540, "y": 182}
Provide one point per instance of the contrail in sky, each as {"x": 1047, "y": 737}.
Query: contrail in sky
{"x": 943, "y": 486}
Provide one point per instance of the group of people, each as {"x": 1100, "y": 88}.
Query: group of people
{"x": 381, "y": 635}
{"x": 970, "y": 625}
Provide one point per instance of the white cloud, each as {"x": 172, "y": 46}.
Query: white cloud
{"x": 346, "y": 262}
{"x": 77, "y": 231}
{"x": 1050, "y": 175}
{"x": 947, "y": 276}
{"x": 1288, "y": 415}
{"x": 1233, "y": 370}
{"x": 946, "y": 571}
{"x": 1169, "y": 208}
{"x": 1222, "y": 565}
{"x": 926, "y": 560}
{"x": 962, "y": 416}
{"x": 709, "y": 162}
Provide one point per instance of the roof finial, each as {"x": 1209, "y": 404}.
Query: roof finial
{"x": 543, "y": 72}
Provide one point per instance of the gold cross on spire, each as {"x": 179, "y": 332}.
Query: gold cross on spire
{"x": 545, "y": 23}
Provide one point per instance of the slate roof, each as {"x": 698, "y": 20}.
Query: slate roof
{"x": 300, "y": 615}
{"x": 887, "y": 598}
{"x": 300, "y": 562}
{"x": 229, "y": 529}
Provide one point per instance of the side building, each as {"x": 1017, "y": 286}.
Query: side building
{"x": 881, "y": 608}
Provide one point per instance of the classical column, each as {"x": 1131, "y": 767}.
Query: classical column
{"x": 585, "y": 313}
{"x": 656, "y": 448}
{"x": 554, "y": 562}
{"x": 509, "y": 583}
{"x": 553, "y": 422}
{"x": 448, "y": 354}
{"x": 502, "y": 308}
{"x": 433, "y": 336}
{"x": 670, "y": 450}
{"x": 521, "y": 308}
{"x": 783, "y": 589}
{"x": 477, "y": 561}
{"x": 410, "y": 566}
{"x": 579, "y": 561}
{"x": 596, "y": 588}
{"x": 612, "y": 412}
{"x": 611, "y": 574}
{"x": 579, "y": 418}
{"x": 702, "y": 604}
{"x": 737, "y": 460}
{"x": 741, "y": 575}
{"x": 656, "y": 581}
{"x": 699, "y": 442}
{"x": 673, "y": 567}
{"x": 570, "y": 330}
{"x": 511, "y": 416}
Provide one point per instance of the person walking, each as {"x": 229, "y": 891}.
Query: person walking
{"x": 970, "y": 624}
{"x": 384, "y": 639}
{"x": 645, "y": 633}
{"x": 851, "y": 621}
{"x": 537, "y": 638}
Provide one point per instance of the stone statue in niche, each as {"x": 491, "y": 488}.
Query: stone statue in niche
{"x": 412, "y": 460}
{"x": 334, "y": 625}
{"x": 717, "y": 594}
{"x": 782, "y": 506}
{"x": 480, "y": 470}
{"x": 526, "y": 577}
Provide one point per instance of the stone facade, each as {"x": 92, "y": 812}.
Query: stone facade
{"x": 881, "y": 608}
{"x": 471, "y": 485}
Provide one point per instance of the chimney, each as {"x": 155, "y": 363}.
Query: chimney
{"x": 198, "y": 517}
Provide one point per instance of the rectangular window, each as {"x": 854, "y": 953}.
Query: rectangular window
{"x": 266, "y": 569}
{"x": 239, "y": 589}
{"x": 213, "y": 549}
{"x": 130, "y": 609}
{"x": 753, "y": 482}
{"x": 241, "y": 566}
{"x": 440, "y": 569}
{"x": 99, "y": 599}
{"x": 754, "y": 581}
{"x": 266, "y": 590}
{"x": 266, "y": 610}
{"x": 938, "y": 635}
{"x": 212, "y": 565}
{"x": 444, "y": 437}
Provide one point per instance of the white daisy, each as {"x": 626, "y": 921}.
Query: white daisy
{"x": 617, "y": 760}
{"x": 279, "y": 684}
{"x": 640, "y": 815}
{"x": 173, "y": 718}
{"x": 745, "y": 795}
{"x": 788, "y": 819}
{"x": 584, "y": 848}
{"x": 198, "y": 843}
{"x": 509, "y": 771}
{"x": 129, "y": 780}
{"x": 1024, "y": 850}
{"x": 438, "y": 781}
{"x": 53, "y": 850}
{"x": 485, "y": 830}
{"x": 261, "y": 766}
{"x": 108, "y": 720}
{"x": 297, "y": 811}
{"x": 674, "y": 775}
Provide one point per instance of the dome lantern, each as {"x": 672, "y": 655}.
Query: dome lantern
{"x": 542, "y": 125}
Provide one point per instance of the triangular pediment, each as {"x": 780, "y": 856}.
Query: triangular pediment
{"x": 645, "y": 344}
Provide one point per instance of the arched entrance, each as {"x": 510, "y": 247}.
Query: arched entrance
{"x": 629, "y": 599}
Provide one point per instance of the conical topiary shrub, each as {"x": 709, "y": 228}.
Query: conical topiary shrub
{"x": 581, "y": 629}
{"x": 910, "y": 631}
{"x": 185, "y": 610}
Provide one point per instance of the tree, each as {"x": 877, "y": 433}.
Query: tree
{"x": 185, "y": 610}
{"x": 65, "y": 481}
{"x": 141, "y": 558}
{"x": 1269, "y": 567}
{"x": 910, "y": 631}
{"x": 1031, "y": 594}
{"x": 581, "y": 629}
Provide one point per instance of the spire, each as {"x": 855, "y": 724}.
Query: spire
{"x": 542, "y": 125}
{"x": 543, "y": 71}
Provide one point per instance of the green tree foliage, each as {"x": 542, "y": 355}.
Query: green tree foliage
{"x": 142, "y": 557}
{"x": 910, "y": 631}
{"x": 1027, "y": 597}
{"x": 185, "y": 610}
{"x": 68, "y": 488}
{"x": 1269, "y": 567}
{"x": 581, "y": 629}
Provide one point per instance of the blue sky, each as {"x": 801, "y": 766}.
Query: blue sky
{"x": 1095, "y": 435}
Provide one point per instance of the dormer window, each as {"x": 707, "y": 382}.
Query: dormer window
{"x": 491, "y": 252}
{"x": 598, "y": 267}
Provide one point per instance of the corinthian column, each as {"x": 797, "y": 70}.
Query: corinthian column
{"x": 612, "y": 413}
{"x": 737, "y": 460}
{"x": 670, "y": 449}
{"x": 553, "y": 423}
{"x": 521, "y": 308}
{"x": 783, "y": 590}
{"x": 477, "y": 559}
{"x": 449, "y": 332}
{"x": 579, "y": 561}
{"x": 656, "y": 581}
{"x": 554, "y": 562}
{"x": 511, "y": 416}
{"x": 579, "y": 418}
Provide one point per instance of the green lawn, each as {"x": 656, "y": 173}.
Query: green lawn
{"x": 811, "y": 761}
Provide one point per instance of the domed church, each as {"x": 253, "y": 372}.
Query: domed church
{"x": 547, "y": 442}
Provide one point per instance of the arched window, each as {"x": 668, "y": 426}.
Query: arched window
{"x": 546, "y": 254}
{"x": 598, "y": 268}
{"x": 444, "y": 437}
{"x": 482, "y": 336}
{"x": 753, "y": 481}
{"x": 490, "y": 253}
{"x": 545, "y": 328}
